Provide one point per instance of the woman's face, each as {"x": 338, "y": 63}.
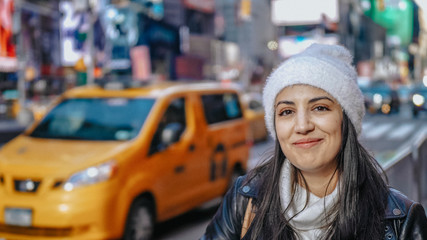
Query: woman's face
{"x": 308, "y": 127}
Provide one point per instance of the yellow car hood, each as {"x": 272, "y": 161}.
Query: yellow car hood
{"x": 54, "y": 155}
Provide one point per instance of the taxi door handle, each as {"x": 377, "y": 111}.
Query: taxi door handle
{"x": 179, "y": 169}
{"x": 191, "y": 148}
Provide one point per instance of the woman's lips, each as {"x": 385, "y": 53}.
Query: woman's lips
{"x": 307, "y": 143}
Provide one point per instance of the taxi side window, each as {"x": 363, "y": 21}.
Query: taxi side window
{"x": 171, "y": 126}
{"x": 221, "y": 107}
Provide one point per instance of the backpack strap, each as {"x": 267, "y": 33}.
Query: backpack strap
{"x": 247, "y": 220}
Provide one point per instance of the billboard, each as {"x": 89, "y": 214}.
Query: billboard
{"x": 395, "y": 16}
{"x": 303, "y": 12}
{"x": 71, "y": 42}
{"x": 8, "y": 61}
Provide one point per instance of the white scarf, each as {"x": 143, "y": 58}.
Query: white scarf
{"x": 308, "y": 223}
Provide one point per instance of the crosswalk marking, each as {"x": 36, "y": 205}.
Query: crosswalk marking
{"x": 377, "y": 130}
{"x": 372, "y": 130}
{"x": 401, "y": 132}
{"x": 366, "y": 126}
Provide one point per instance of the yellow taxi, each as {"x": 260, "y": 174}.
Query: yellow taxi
{"x": 110, "y": 161}
{"x": 254, "y": 112}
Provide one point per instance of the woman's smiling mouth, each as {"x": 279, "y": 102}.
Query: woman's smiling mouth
{"x": 307, "y": 142}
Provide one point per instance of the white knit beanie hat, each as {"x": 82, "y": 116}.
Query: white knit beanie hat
{"x": 328, "y": 67}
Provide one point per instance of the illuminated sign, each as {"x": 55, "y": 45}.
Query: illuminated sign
{"x": 303, "y": 12}
{"x": 70, "y": 51}
{"x": 8, "y": 62}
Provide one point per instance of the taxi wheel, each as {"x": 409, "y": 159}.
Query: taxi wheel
{"x": 140, "y": 221}
{"x": 415, "y": 113}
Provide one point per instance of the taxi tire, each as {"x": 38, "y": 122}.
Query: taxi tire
{"x": 140, "y": 221}
{"x": 415, "y": 113}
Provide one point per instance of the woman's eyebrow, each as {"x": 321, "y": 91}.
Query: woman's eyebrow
{"x": 320, "y": 98}
{"x": 310, "y": 101}
{"x": 285, "y": 102}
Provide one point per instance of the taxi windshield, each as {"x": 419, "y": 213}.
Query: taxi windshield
{"x": 97, "y": 119}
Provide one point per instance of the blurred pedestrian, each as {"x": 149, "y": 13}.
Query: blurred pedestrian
{"x": 320, "y": 183}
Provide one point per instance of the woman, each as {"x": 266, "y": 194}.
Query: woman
{"x": 320, "y": 182}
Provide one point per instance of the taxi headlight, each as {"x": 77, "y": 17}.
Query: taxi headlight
{"x": 418, "y": 100}
{"x": 91, "y": 175}
{"x": 377, "y": 98}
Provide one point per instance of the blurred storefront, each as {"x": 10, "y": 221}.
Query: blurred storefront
{"x": 380, "y": 32}
{"x": 29, "y": 52}
{"x": 396, "y": 17}
{"x": 8, "y": 60}
{"x": 248, "y": 37}
{"x": 38, "y": 47}
{"x": 195, "y": 20}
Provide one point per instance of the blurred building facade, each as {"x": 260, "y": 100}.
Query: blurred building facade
{"x": 419, "y": 48}
{"x": 55, "y": 45}
{"x": 29, "y": 50}
{"x": 50, "y": 46}
{"x": 379, "y": 33}
{"x": 392, "y": 58}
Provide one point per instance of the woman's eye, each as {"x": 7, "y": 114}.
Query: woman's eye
{"x": 285, "y": 112}
{"x": 321, "y": 108}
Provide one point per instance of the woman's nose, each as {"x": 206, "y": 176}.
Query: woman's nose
{"x": 303, "y": 123}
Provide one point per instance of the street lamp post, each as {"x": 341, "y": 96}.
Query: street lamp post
{"x": 86, "y": 7}
{"x": 90, "y": 37}
{"x": 17, "y": 27}
{"x": 24, "y": 115}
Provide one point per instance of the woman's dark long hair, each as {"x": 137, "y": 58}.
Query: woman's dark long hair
{"x": 359, "y": 212}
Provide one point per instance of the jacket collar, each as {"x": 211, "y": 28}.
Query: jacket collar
{"x": 397, "y": 203}
{"x": 250, "y": 188}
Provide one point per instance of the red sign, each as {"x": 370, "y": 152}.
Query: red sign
{"x": 141, "y": 64}
{"x": 7, "y": 48}
{"x": 207, "y": 6}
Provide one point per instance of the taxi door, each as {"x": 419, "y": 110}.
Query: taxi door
{"x": 226, "y": 135}
{"x": 176, "y": 153}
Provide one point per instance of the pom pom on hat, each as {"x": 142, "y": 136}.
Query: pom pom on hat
{"x": 328, "y": 67}
{"x": 334, "y": 51}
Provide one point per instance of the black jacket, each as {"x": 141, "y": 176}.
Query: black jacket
{"x": 405, "y": 219}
